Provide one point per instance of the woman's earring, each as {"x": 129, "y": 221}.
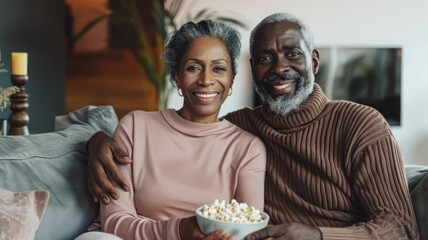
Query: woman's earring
{"x": 230, "y": 92}
{"x": 179, "y": 92}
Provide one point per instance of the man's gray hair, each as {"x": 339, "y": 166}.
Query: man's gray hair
{"x": 307, "y": 34}
{"x": 180, "y": 40}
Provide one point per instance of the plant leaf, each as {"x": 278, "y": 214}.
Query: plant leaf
{"x": 233, "y": 21}
{"x": 175, "y": 6}
{"x": 89, "y": 26}
{"x": 200, "y": 14}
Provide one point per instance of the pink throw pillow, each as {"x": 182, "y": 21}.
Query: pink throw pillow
{"x": 21, "y": 213}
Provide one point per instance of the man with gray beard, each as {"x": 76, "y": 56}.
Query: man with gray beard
{"x": 334, "y": 169}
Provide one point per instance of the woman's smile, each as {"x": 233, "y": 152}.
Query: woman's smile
{"x": 205, "y": 97}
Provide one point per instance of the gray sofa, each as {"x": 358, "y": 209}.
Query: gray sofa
{"x": 56, "y": 162}
{"x": 417, "y": 179}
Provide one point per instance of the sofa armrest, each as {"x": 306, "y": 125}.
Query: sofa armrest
{"x": 56, "y": 162}
{"x": 417, "y": 179}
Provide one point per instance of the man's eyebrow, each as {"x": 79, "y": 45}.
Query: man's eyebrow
{"x": 293, "y": 46}
{"x": 284, "y": 47}
{"x": 264, "y": 50}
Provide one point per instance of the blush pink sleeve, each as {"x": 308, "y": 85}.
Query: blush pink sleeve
{"x": 120, "y": 216}
{"x": 251, "y": 177}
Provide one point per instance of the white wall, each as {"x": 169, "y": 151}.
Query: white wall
{"x": 350, "y": 23}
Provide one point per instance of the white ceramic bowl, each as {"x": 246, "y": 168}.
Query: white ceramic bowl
{"x": 239, "y": 230}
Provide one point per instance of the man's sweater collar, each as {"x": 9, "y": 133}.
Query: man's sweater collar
{"x": 306, "y": 112}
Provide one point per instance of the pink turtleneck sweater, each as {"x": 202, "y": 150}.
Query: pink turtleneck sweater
{"x": 178, "y": 166}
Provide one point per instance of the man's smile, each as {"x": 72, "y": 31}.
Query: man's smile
{"x": 280, "y": 87}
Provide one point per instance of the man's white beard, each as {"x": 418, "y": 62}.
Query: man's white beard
{"x": 281, "y": 105}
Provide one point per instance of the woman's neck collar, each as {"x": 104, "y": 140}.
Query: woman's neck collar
{"x": 196, "y": 119}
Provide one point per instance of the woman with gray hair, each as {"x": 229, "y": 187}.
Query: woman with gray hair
{"x": 187, "y": 158}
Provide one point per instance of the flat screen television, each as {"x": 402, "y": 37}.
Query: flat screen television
{"x": 370, "y": 76}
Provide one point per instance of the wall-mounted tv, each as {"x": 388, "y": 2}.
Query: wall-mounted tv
{"x": 370, "y": 76}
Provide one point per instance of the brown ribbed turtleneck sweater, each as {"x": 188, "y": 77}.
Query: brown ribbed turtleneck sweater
{"x": 334, "y": 165}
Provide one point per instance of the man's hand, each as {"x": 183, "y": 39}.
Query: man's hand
{"x": 189, "y": 230}
{"x": 287, "y": 231}
{"x": 104, "y": 152}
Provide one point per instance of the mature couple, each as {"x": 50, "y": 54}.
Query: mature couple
{"x": 333, "y": 168}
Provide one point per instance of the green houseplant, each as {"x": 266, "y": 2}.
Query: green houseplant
{"x": 151, "y": 38}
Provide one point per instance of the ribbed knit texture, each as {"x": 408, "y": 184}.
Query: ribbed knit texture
{"x": 334, "y": 165}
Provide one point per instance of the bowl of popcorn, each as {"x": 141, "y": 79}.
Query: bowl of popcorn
{"x": 238, "y": 219}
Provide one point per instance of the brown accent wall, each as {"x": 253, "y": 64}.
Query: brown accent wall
{"x": 111, "y": 77}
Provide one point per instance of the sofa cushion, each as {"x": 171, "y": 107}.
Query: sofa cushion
{"x": 56, "y": 162}
{"x": 20, "y": 213}
{"x": 417, "y": 178}
{"x": 414, "y": 174}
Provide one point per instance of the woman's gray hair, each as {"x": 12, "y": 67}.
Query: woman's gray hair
{"x": 180, "y": 40}
{"x": 307, "y": 34}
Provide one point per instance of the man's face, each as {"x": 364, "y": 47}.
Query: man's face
{"x": 283, "y": 67}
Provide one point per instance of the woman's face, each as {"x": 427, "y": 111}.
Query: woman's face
{"x": 205, "y": 77}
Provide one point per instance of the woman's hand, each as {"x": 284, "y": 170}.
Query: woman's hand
{"x": 189, "y": 230}
{"x": 104, "y": 152}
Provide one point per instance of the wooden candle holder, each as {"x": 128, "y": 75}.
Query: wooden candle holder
{"x": 18, "y": 119}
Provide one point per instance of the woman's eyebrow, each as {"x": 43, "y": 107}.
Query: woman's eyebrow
{"x": 220, "y": 59}
{"x": 200, "y": 62}
{"x": 194, "y": 59}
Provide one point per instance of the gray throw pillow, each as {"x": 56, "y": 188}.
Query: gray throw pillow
{"x": 56, "y": 162}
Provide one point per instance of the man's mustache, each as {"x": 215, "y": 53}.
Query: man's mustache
{"x": 282, "y": 77}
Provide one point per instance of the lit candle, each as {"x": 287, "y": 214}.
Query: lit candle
{"x": 19, "y": 63}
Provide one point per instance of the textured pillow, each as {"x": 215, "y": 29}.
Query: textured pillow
{"x": 20, "y": 213}
{"x": 56, "y": 162}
